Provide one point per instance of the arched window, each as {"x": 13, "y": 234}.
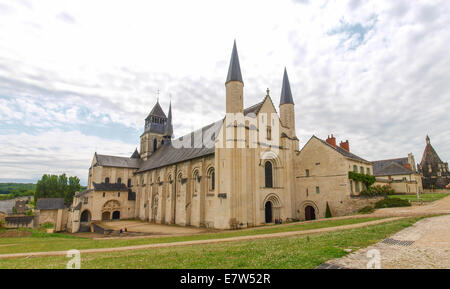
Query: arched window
{"x": 106, "y": 180}
{"x": 155, "y": 145}
{"x": 196, "y": 182}
{"x": 129, "y": 182}
{"x": 268, "y": 174}
{"x": 212, "y": 180}
{"x": 355, "y": 168}
{"x": 119, "y": 180}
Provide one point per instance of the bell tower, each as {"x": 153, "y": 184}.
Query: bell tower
{"x": 287, "y": 111}
{"x": 234, "y": 85}
{"x": 154, "y": 131}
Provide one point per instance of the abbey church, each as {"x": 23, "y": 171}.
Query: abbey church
{"x": 242, "y": 171}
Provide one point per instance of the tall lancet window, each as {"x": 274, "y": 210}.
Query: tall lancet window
{"x": 268, "y": 174}
{"x": 155, "y": 145}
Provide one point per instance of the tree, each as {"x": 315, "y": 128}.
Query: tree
{"x": 53, "y": 186}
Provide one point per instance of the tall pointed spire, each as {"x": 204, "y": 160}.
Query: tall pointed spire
{"x": 168, "y": 131}
{"x": 286, "y": 94}
{"x": 234, "y": 71}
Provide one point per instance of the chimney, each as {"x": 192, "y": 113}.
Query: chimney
{"x": 331, "y": 141}
{"x": 345, "y": 145}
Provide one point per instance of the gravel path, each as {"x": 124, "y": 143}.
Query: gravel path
{"x": 425, "y": 245}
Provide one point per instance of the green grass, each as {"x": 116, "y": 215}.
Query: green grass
{"x": 431, "y": 197}
{"x": 288, "y": 252}
{"x": 42, "y": 242}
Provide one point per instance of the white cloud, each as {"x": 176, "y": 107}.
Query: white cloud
{"x": 27, "y": 156}
{"x": 381, "y": 80}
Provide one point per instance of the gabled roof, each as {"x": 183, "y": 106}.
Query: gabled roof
{"x": 385, "y": 167}
{"x": 254, "y": 108}
{"x": 135, "y": 155}
{"x": 50, "y": 204}
{"x": 173, "y": 153}
{"x": 339, "y": 150}
{"x": 389, "y": 168}
{"x": 234, "y": 70}
{"x": 120, "y": 162}
{"x": 286, "y": 94}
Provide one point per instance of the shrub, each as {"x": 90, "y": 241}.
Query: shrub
{"x": 368, "y": 180}
{"x": 378, "y": 191}
{"x": 392, "y": 203}
{"x": 366, "y": 210}
{"x": 47, "y": 226}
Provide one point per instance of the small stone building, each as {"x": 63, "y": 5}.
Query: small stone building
{"x": 52, "y": 210}
{"x": 435, "y": 173}
{"x": 400, "y": 174}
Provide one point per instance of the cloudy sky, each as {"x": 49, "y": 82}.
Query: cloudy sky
{"x": 80, "y": 76}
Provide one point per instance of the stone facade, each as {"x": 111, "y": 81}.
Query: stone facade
{"x": 435, "y": 172}
{"x": 252, "y": 174}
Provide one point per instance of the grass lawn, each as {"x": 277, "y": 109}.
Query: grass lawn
{"x": 430, "y": 197}
{"x": 41, "y": 242}
{"x": 288, "y": 252}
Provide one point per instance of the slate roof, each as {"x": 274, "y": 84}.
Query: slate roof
{"x": 429, "y": 156}
{"x": 254, "y": 108}
{"x": 234, "y": 70}
{"x": 183, "y": 148}
{"x": 50, "y": 204}
{"x": 135, "y": 155}
{"x": 83, "y": 193}
{"x": 168, "y": 131}
{"x": 110, "y": 187}
{"x": 175, "y": 152}
{"x": 6, "y": 206}
{"x": 391, "y": 167}
{"x": 286, "y": 94}
{"x": 342, "y": 151}
{"x": 157, "y": 111}
{"x": 120, "y": 162}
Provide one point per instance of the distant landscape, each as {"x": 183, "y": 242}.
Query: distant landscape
{"x": 14, "y": 190}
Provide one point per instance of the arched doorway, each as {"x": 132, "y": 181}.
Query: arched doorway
{"x": 106, "y": 216}
{"x": 268, "y": 209}
{"x": 116, "y": 215}
{"x": 85, "y": 217}
{"x": 310, "y": 213}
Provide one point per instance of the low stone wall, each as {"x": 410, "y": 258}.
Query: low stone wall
{"x": 353, "y": 204}
{"x": 19, "y": 222}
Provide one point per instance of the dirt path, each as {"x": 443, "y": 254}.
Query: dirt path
{"x": 438, "y": 207}
{"x": 425, "y": 245}
{"x": 199, "y": 242}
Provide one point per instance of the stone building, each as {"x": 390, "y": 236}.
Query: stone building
{"x": 435, "y": 173}
{"x": 400, "y": 174}
{"x": 244, "y": 170}
{"x": 52, "y": 210}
